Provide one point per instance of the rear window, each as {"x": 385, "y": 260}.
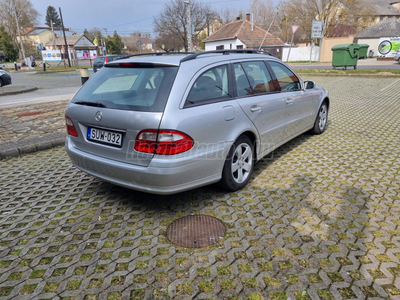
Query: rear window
{"x": 99, "y": 60}
{"x": 112, "y": 58}
{"x": 127, "y": 88}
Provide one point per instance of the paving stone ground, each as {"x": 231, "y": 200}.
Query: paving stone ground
{"x": 319, "y": 220}
{"x": 32, "y": 121}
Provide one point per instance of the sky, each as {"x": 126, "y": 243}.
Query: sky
{"x": 124, "y": 16}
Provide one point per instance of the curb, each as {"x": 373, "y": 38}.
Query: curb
{"x": 32, "y": 145}
{"x": 25, "y": 89}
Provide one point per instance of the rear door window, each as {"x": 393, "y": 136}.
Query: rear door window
{"x": 210, "y": 86}
{"x": 128, "y": 88}
{"x": 252, "y": 77}
{"x": 287, "y": 80}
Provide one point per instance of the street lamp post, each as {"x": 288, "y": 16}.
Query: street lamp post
{"x": 19, "y": 32}
{"x": 189, "y": 26}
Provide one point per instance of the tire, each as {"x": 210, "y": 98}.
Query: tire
{"x": 239, "y": 165}
{"x": 321, "y": 121}
{"x": 1, "y": 83}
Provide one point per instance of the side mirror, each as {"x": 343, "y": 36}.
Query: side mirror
{"x": 309, "y": 85}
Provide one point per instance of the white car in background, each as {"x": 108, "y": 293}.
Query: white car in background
{"x": 397, "y": 56}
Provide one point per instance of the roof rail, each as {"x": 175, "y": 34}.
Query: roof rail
{"x": 225, "y": 52}
{"x": 157, "y": 54}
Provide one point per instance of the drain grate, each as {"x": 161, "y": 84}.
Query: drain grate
{"x": 196, "y": 231}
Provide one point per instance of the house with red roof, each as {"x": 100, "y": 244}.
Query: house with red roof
{"x": 243, "y": 34}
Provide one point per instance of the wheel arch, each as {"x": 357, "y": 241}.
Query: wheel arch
{"x": 327, "y": 101}
{"x": 253, "y": 138}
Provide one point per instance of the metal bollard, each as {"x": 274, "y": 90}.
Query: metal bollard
{"x": 44, "y": 67}
{"x": 15, "y": 66}
{"x": 84, "y": 75}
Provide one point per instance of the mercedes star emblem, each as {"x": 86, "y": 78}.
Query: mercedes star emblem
{"x": 98, "y": 116}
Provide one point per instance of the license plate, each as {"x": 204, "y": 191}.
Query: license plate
{"x": 104, "y": 136}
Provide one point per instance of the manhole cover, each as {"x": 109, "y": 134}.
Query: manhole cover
{"x": 196, "y": 231}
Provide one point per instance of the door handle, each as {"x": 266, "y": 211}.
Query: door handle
{"x": 255, "y": 109}
{"x": 289, "y": 100}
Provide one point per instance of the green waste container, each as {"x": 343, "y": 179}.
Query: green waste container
{"x": 363, "y": 51}
{"x": 345, "y": 55}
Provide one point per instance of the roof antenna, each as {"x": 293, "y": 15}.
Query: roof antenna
{"x": 273, "y": 20}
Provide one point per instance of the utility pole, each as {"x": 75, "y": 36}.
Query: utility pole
{"x": 189, "y": 26}
{"x": 65, "y": 39}
{"x": 105, "y": 45}
{"x": 52, "y": 30}
{"x": 19, "y": 32}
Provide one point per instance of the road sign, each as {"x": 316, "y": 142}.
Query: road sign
{"x": 316, "y": 32}
{"x": 294, "y": 28}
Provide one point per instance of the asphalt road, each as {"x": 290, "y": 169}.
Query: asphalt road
{"x": 51, "y": 87}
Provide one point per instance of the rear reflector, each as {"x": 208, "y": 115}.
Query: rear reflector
{"x": 163, "y": 142}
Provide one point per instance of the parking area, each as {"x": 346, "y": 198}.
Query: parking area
{"x": 319, "y": 220}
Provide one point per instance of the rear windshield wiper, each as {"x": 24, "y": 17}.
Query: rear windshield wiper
{"x": 97, "y": 104}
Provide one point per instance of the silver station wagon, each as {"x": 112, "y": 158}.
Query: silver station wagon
{"x": 164, "y": 124}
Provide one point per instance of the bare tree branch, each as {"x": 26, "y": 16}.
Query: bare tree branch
{"x": 171, "y": 24}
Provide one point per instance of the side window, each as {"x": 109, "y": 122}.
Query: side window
{"x": 259, "y": 77}
{"x": 252, "y": 78}
{"x": 243, "y": 87}
{"x": 210, "y": 86}
{"x": 286, "y": 78}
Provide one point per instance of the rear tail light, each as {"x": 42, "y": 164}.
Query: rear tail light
{"x": 71, "y": 130}
{"x": 105, "y": 60}
{"x": 163, "y": 142}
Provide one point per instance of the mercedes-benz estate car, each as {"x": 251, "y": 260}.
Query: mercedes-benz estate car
{"x": 168, "y": 123}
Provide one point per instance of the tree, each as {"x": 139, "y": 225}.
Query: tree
{"x": 263, "y": 12}
{"x": 52, "y": 15}
{"x": 86, "y": 33}
{"x": 136, "y": 33}
{"x": 171, "y": 24}
{"x": 99, "y": 38}
{"x": 6, "y": 45}
{"x": 170, "y": 41}
{"x": 92, "y": 33}
{"x": 229, "y": 15}
{"x": 331, "y": 12}
{"x": 114, "y": 44}
{"x": 26, "y": 16}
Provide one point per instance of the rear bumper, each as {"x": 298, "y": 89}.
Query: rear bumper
{"x": 164, "y": 175}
